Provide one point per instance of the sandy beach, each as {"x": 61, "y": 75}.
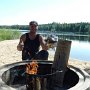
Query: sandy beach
{"x": 10, "y": 54}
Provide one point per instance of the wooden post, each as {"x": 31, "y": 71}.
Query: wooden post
{"x": 61, "y": 61}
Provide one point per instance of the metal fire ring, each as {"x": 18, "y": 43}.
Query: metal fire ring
{"x": 83, "y": 84}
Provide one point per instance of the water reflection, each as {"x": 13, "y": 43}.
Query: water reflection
{"x": 78, "y": 38}
{"x": 80, "y": 50}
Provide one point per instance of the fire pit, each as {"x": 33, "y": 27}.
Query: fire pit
{"x": 39, "y": 76}
{"x": 14, "y": 77}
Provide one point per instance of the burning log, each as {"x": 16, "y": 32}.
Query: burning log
{"x": 33, "y": 83}
{"x": 32, "y": 67}
{"x": 61, "y": 61}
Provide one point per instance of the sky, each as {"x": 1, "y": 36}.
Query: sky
{"x": 21, "y": 12}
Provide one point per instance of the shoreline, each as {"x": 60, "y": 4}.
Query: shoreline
{"x": 10, "y": 54}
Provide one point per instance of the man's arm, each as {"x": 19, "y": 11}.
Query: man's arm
{"x": 43, "y": 43}
{"x": 21, "y": 42}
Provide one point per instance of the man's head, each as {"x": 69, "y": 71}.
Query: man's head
{"x": 33, "y": 25}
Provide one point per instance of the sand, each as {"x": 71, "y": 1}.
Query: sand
{"x": 10, "y": 54}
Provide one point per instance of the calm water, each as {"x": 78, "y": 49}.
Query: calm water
{"x": 80, "y": 47}
{"x": 80, "y": 50}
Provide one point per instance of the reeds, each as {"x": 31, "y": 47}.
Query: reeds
{"x": 9, "y": 34}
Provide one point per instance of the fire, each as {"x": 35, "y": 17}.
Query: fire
{"x": 32, "y": 67}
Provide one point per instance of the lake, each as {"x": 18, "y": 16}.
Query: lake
{"x": 80, "y": 50}
{"x": 80, "y": 47}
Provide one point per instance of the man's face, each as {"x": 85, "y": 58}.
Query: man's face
{"x": 33, "y": 27}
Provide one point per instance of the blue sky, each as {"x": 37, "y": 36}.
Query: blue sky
{"x": 43, "y": 11}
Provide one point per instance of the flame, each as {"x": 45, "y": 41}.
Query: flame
{"x": 31, "y": 68}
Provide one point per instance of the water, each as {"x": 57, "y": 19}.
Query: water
{"x": 80, "y": 50}
{"x": 80, "y": 47}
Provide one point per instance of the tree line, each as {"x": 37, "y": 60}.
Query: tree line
{"x": 78, "y": 28}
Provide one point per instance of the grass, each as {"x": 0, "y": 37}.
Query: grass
{"x": 9, "y": 34}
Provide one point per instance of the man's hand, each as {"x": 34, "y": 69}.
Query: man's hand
{"x": 20, "y": 46}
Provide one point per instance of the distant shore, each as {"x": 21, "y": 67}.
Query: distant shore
{"x": 9, "y": 54}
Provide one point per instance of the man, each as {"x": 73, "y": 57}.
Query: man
{"x": 30, "y": 43}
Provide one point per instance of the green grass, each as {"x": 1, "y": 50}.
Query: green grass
{"x": 9, "y": 34}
